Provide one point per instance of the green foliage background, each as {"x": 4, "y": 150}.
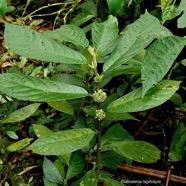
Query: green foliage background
{"x": 74, "y": 87}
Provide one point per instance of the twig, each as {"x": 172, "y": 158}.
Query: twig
{"x": 168, "y": 177}
{"x": 148, "y": 115}
{"x": 151, "y": 172}
{"x": 71, "y": 9}
{"x": 179, "y": 110}
{"x": 5, "y": 98}
{"x": 27, "y": 169}
{"x": 171, "y": 70}
{"x": 44, "y": 7}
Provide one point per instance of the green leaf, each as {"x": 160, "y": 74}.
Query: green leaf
{"x": 51, "y": 172}
{"x": 60, "y": 167}
{"x": 69, "y": 33}
{"x": 133, "y": 101}
{"x": 65, "y": 158}
{"x": 104, "y": 34}
{"x": 158, "y": 60}
{"x": 77, "y": 163}
{"x": 111, "y": 182}
{"x": 21, "y": 114}
{"x": 81, "y": 18}
{"x": 63, "y": 142}
{"x": 183, "y": 62}
{"x": 89, "y": 6}
{"x": 176, "y": 152}
{"x": 41, "y": 130}
{"x": 3, "y": 8}
{"x": 135, "y": 38}
{"x": 139, "y": 151}
{"x": 29, "y": 43}
{"x": 89, "y": 179}
{"x": 170, "y": 12}
{"x": 119, "y": 116}
{"x": 62, "y": 106}
{"x": 114, "y": 134}
{"x": 131, "y": 67}
{"x": 48, "y": 183}
{"x": 115, "y": 5}
{"x": 165, "y": 3}
{"x": 182, "y": 18}
{"x": 30, "y": 88}
{"x": 19, "y": 145}
{"x": 72, "y": 79}
{"x": 12, "y": 135}
{"x": 177, "y": 99}
{"x": 111, "y": 159}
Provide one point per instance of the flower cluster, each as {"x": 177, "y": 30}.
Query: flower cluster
{"x": 100, "y": 114}
{"x": 99, "y": 96}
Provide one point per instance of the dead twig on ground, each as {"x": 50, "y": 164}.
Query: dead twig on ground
{"x": 152, "y": 172}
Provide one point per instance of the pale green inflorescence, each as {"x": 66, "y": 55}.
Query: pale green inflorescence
{"x": 100, "y": 114}
{"x": 99, "y": 96}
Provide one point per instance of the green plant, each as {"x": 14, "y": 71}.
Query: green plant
{"x": 88, "y": 132}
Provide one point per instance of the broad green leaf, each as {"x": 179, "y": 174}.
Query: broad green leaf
{"x": 104, "y": 34}
{"x": 69, "y": 33}
{"x": 133, "y": 101}
{"x": 139, "y": 151}
{"x": 72, "y": 79}
{"x": 77, "y": 163}
{"x": 41, "y": 130}
{"x": 115, "y": 5}
{"x": 19, "y": 145}
{"x": 111, "y": 159}
{"x": 165, "y": 3}
{"x": 89, "y": 179}
{"x": 134, "y": 39}
{"x": 114, "y": 134}
{"x": 177, "y": 99}
{"x": 30, "y": 88}
{"x": 169, "y": 13}
{"x": 48, "y": 183}
{"x": 111, "y": 182}
{"x": 119, "y": 116}
{"x": 183, "y": 62}
{"x": 158, "y": 60}
{"x": 90, "y": 110}
{"x": 131, "y": 67}
{"x": 3, "y": 8}
{"x": 21, "y": 114}
{"x": 81, "y": 18}
{"x": 62, "y": 106}
{"x": 12, "y": 134}
{"x": 65, "y": 158}
{"x": 51, "y": 172}
{"x": 89, "y": 6}
{"x": 63, "y": 142}
{"x": 7, "y": 184}
{"x": 176, "y": 152}
{"x": 60, "y": 167}
{"x": 182, "y": 18}
{"x": 29, "y": 43}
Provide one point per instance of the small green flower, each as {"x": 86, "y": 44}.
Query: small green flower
{"x": 99, "y": 96}
{"x": 100, "y": 114}
{"x": 98, "y": 78}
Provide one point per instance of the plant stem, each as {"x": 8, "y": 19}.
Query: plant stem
{"x": 71, "y": 10}
{"x": 8, "y": 168}
{"x": 98, "y": 155}
{"x": 44, "y": 7}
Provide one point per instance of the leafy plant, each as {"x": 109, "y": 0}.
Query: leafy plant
{"x": 88, "y": 132}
